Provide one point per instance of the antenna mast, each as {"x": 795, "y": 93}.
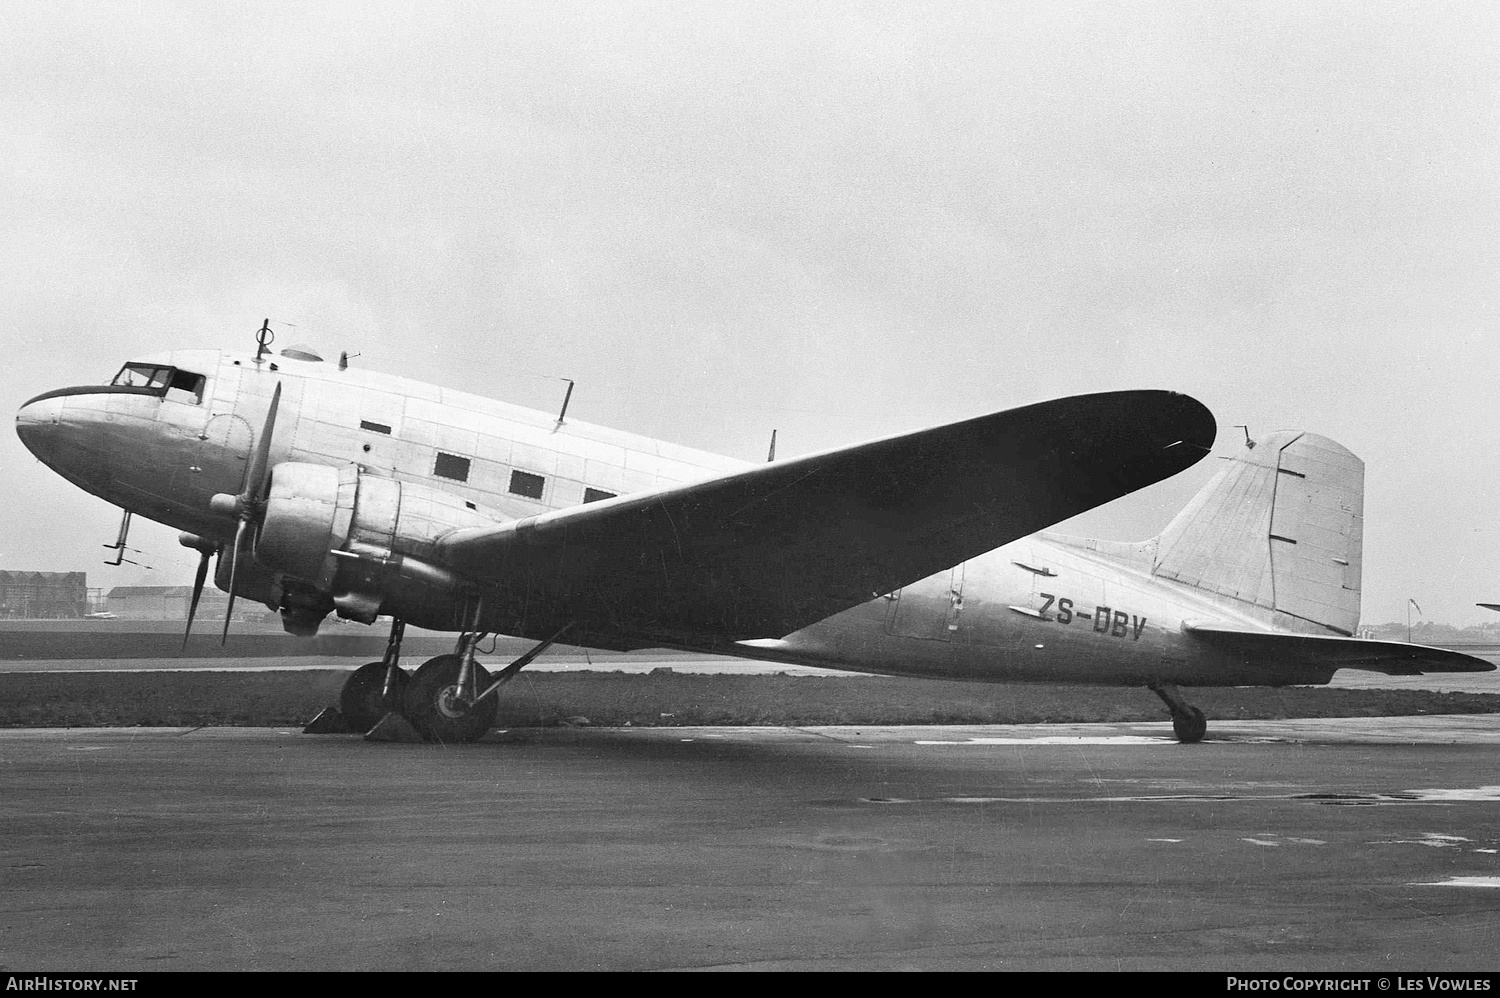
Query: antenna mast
{"x": 263, "y": 339}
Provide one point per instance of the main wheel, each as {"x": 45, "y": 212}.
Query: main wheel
{"x": 435, "y": 708}
{"x": 1190, "y": 727}
{"x": 363, "y": 701}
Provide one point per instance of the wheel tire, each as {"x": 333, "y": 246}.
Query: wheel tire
{"x": 1190, "y": 727}
{"x": 429, "y": 706}
{"x": 363, "y": 701}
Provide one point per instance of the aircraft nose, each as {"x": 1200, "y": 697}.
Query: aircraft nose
{"x": 73, "y": 432}
{"x": 37, "y": 424}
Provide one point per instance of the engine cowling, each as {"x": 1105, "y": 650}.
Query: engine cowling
{"x": 301, "y": 526}
{"x": 365, "y": 540}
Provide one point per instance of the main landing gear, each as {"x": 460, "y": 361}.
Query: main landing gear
{"x": 1188, "y": 722}
{"x": 376, "y": 689}
{"x": 451, "y": 698}
{"x": 444, "y": 701}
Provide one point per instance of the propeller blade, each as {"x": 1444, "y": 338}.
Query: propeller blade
{"x": 197, "y": 592}
{"x": 249, "y": 504}
{"x": 256, "y": 479}
{"x": 234, "y": 567}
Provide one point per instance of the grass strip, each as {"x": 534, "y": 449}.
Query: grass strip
{"x": 663, "y": 698}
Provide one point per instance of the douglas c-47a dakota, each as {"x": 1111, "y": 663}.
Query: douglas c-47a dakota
{"x": 324, "y": 489}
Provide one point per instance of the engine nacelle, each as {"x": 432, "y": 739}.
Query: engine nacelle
{"x": 293, "y": 543}
{"x": 365, "y": 540}
{"x": 303, "y": 522}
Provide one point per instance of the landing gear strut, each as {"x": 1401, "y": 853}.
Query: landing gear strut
{"x": 442, "y": 700}
{"x": 376, "y": 689}
{"x": 1188, "y": 722}
{"x": 451, "y": 697}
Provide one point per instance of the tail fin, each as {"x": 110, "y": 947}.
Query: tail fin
{"x": 1281, "y": 528}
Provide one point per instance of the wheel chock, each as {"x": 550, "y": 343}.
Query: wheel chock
{"x": 393, "y": 728}
{"x": 328, "y": 722}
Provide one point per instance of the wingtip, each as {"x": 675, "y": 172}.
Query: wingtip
{"x": 1187, "y": 423}
{"x": 1199, "y": 427}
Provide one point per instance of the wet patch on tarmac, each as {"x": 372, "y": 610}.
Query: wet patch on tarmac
{"x": 1432, "y": 796}
{"x": 1490, "y": 794}
{"x": 1433, "y": 840}
{"x": 1461, "y": 882}
{"x": 1272, "y": 840}
{"x": 847, "y": 843}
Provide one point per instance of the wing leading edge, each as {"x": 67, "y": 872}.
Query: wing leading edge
{"x": 766, "y": 551}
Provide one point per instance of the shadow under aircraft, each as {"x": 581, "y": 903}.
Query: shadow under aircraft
{"x": 320, "y": 488}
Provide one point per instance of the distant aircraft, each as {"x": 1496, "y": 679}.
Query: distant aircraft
{"x": 327, "y": 489}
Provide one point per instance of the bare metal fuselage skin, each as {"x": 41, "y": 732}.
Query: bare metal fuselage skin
{"x": 1088, "y": 621}
{"x": 1041, "y": 608}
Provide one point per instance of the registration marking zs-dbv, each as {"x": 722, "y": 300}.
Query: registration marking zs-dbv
{"x": 1106, "y": 620}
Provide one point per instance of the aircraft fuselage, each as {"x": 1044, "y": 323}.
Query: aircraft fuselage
{"x": 1039, "y": 608}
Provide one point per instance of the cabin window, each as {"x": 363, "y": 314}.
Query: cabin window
{"x": 451, "y": 466}
{"x": 373, "y": 427}
{"x": 523, "y": 483}
{"x": 186, "y": 386}
{"x": 594, "y": 495}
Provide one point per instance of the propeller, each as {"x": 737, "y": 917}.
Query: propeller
{"x": 206, "y": 552}
{"x": 249, "y": 506}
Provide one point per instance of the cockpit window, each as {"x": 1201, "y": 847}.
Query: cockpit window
{"x": 143, "y": 376}
{"x": 169, "y": 382}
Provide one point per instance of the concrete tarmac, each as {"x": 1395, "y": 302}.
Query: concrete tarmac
{"x": 1364, "y": 844}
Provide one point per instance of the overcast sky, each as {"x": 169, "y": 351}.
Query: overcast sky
{"x": 836, "y": 220}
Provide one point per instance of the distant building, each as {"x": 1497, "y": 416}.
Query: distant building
{"x": 43, "y": 595}
{"x": 172, "y": 602}
{"x": 154, "y": 602}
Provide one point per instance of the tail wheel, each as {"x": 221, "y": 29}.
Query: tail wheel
{"x": 1190, "y": 727}
{"x": 363, "y": 701}
{"x": 440, "y": 710}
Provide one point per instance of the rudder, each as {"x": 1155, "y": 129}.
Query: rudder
{"x": 1280, "y": 529}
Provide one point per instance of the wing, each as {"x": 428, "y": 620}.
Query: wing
{"x": 1394, "y": 658}
{"x": 767, "y": 551}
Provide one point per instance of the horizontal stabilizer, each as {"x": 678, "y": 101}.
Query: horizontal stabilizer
{"x": 1394, "y": 658}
